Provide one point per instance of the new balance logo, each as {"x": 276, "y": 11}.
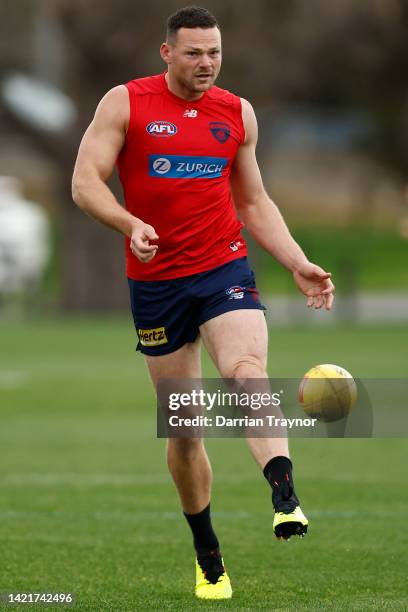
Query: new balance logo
{"x": 190, "y": 112}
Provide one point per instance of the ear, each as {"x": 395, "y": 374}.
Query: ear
{"x": 165, "y": 52}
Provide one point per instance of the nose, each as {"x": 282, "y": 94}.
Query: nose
{"x": 205, "y": 61}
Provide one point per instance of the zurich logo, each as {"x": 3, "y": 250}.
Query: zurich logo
{"x": 162, "y": 129}
{"x": 187, "y": 166}
{"x": 220, "y": 131}
{"x": 161, "y": 165}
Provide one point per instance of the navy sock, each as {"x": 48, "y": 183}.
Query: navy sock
{"x": 278, "y": 472}
{"x": 205, "y": 540}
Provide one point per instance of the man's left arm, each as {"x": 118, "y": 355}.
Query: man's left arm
{"x": 265, "y": 223}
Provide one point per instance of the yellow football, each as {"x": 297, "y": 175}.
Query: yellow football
{"x": 327, "y": 392}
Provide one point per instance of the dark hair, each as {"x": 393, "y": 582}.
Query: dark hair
{"x": 190, "y": 17}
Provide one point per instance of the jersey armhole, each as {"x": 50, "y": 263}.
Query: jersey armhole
{"x": 240, "y": 121}
{"x": 132, "y": 107}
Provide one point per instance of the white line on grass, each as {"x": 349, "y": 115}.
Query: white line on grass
{"x": 74, "y": 479}
{"x": 171, "y": 516}
{"x": 87, "y": 540}
{"x": 134, "y": 479}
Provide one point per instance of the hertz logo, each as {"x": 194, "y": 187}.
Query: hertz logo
{"x": 152, "y": 337}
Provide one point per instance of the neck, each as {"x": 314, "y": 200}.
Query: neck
{"x": 180, "y": 91}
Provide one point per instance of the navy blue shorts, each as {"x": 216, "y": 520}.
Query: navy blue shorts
{"x": 168, "y": 314}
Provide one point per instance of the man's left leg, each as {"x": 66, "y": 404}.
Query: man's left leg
{"x": 243, "y": 356}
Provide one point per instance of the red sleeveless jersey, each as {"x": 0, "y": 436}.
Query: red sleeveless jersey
{"x": 175, "y": 171}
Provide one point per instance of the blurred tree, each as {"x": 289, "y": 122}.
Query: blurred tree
{"x": 339, "y": 53}
{"x": 328, "y": 54}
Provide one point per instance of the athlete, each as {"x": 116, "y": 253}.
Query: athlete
{"x": 185, "y": 151}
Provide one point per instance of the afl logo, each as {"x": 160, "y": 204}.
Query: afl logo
{"x": 162, "y": 129}
{"x": 162, "y": 165}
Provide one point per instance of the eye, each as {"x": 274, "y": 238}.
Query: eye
{"x": 192, "y": 53}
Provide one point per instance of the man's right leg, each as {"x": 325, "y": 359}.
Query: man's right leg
{"x": 191, "y": 471}
{"x": 186, "y": 457}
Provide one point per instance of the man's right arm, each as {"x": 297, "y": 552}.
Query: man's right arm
{"x": 97, "y": 155}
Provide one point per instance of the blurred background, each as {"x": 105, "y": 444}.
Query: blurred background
{"x": 87, "y": 505}
{"x": 329, "y": 85}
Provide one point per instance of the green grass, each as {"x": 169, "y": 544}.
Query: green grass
{"x": 87, "y": 505}
{"x": 359, "y": 257}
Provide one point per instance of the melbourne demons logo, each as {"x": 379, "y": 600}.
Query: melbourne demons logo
{"x": 162, "y": 129}
{"x": 220, "y": 131}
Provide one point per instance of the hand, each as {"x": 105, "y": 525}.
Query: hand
{"x": 315, "y": 283}
{"x": 140, "y": 242}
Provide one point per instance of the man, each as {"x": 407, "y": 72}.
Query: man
{"x": 185, "y": 150}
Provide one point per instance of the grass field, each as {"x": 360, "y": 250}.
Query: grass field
{"x": 87, "y": 506}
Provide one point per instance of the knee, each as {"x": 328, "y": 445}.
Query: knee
{"x": 245, "y": 366}
{"x": 185, "y": 449}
